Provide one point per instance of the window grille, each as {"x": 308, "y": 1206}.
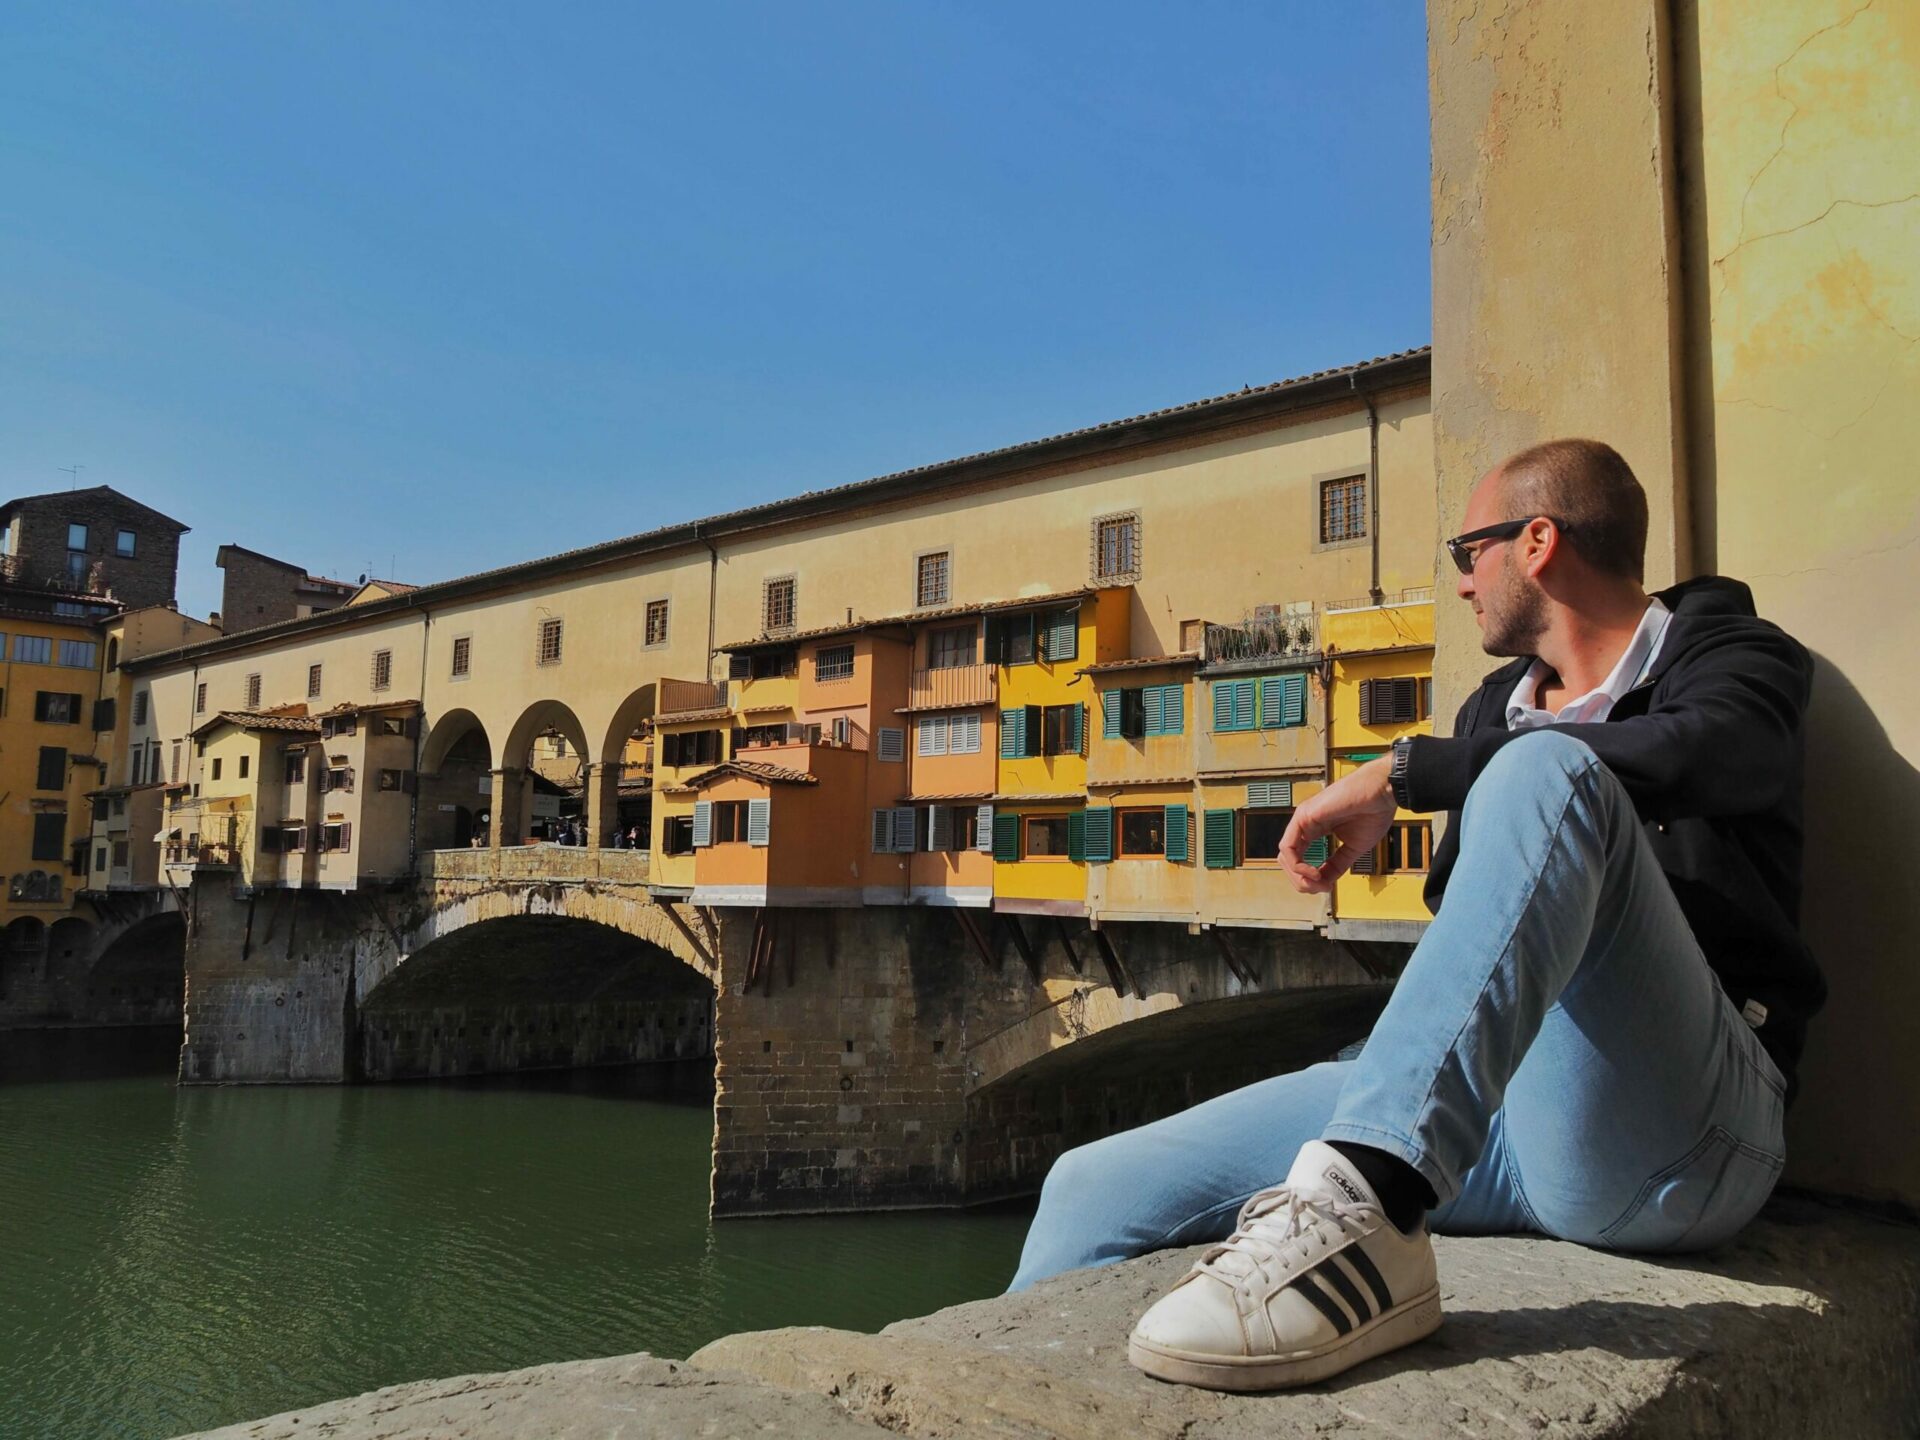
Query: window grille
{"x": 931, "y": 582}
{"x": 200, "y": 698}
{"x": 776, "y": 604}
{"x": 952, "y": 647}
{"x": 253, "y": 692}
{"x": 383, "y": 669}
{"x": 548, "y": 652}
{"x": 834, "y": 662}
{"x": 462, "y": 655}
{"x": 656, "y": 622}
{"x": 1343, "y": 509}
{"x": 1116, "y": 547}
{"x": 313, "y": 682}
{"x": 140, "y": 707}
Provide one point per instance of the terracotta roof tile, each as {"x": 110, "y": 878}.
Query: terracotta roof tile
{"x": 752, "y": 770}
{"x": 675, "y": 717}
{"x": 1140, "y": 662}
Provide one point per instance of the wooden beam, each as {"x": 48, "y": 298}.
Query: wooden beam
{"x": 1117, "y": 975}
{"x": 756, "y": 952}
{"x": 1066, "y": 944}
{"x": 686, "y": 931}
{"x": 972, "y": 932}
{"x": 1240, "y": 972}
{"x": 1021, "y": 944}
{"x": 792, "y": 939}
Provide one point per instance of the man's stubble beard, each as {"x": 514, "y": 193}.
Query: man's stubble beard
{"x": 1515, "y": 623}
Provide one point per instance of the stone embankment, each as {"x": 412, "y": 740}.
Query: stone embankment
{"x": 1810, "y": 1325}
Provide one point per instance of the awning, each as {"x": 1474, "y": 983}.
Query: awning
{"x": 164, "y": 835}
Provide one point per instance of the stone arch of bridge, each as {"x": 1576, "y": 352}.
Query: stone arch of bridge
{"x": 138, "y": 974}
{"x": 536, "y": 988}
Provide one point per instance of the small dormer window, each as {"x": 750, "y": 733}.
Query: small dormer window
{"x": 123, "y": 543}
{"x": 76, "y": 537}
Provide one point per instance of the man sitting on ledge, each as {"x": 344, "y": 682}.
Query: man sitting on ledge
{"x": 1595, "y": 1038}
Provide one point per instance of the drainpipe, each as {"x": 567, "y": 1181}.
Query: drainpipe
{"x": 1374, "y": 592}
{"x": 419, "y": 746}
{"x": 713, "y": 584}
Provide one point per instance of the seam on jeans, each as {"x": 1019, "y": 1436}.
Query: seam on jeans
{"x": 1587, "y": 766}
{"x": 1221, "y": 1208}
{"x": 1397, "y": 1144}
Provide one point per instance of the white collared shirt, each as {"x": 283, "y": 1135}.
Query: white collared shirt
{"x": 1632, "y": 667}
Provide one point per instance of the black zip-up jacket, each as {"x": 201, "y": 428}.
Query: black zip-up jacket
{"x": 1709, "y": 746}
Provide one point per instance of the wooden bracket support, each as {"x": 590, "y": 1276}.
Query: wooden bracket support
{"x": 1021, "y": 944}
{"x": 1066, "y": 944}
{"x": 675, "y": 919}
{"x": 1117, "y": 974}
{"x": 1240, "y": 971}
{"x": 971, "y": 929}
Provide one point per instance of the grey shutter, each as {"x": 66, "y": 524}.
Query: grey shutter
{"x": 940, "y": 828}
{"x": 903, "y": 830}
{"x": 965, "y": 737}
{"x": 882, "y": 832}
{"x": 759, "y": 821}
{"x": 983, "y": 829}
{"x": 702, "y": 823}
{"x": 892, "y": 743}
{"x": 1013, "y": 726}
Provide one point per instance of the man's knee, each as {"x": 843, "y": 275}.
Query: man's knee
{"x": 1542, "y": 760}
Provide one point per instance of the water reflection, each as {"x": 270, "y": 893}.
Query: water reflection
{"x": 179, "y": 1259}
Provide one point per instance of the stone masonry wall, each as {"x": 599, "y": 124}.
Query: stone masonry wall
{"x": 147, "y": 578}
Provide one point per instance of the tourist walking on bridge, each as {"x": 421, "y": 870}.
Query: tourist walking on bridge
{"x": 1596, "y": 1037}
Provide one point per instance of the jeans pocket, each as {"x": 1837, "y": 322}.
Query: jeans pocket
{"x": 1701, "y": 1199}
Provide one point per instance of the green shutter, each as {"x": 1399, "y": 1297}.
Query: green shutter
{"x": 1100, "y": 833}
{"x": 1173, "y": 700}
{"x": 1063, "y": 633}
{"x": 1295, "y": 706}
{"x": 1153, "y": 709}
{"x": 1006, "y": 838}
{"x": 1216, "y": 839}
{"x": 1077, "y": 741}
{"x": 1223, "y": 705}
{"x": 1077, "y": 835}
{"x": 1013, "y": 725}
{"x": 1317, "y": 852}
{"x": 1243, "y": 703}
{"x": 1110, "y": 714}
{"x": 1273, "y": 690}
{"x": 1177, "y": 840}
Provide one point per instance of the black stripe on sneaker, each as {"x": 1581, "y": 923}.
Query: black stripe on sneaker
{"x": 1324, "y": 1303}
{"x": 1365, "y": 1269}
{"x": 1332, "y": 1271}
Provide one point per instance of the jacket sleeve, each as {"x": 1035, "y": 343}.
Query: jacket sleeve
{"x": 1721, "y": 738}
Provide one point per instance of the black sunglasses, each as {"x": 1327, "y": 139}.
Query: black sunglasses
{"x": 1505, "y": 530}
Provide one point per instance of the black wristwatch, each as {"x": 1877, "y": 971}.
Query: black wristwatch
{"x": 1397, "y": 775}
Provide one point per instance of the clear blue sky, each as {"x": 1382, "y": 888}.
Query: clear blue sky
{"x": 434, "y": 287}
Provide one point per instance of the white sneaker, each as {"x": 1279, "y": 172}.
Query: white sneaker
{"x": 1314, "y": 1280}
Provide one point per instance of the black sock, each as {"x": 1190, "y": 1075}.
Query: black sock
{"x": 1404, "y": 1192}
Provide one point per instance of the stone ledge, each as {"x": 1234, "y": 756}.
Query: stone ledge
{"x": 1810, "y": 1324}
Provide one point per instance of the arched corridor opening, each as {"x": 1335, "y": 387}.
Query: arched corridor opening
{"x": 535, "y": 992}
{"x": 140, "y": 979}
{"x": 456, "y": 783}
{"x": 544, "y": 757}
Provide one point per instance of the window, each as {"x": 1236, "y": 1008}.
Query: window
{"x": 78, "y": 654}
{"x": 693, "y": 747}
{"x": 338, "y": 775}
{"x": 833, "y": 662}
{"x": 332, "y": 725}
{"x": 1407, "y": 849}
{"x": 216, "y": 767}
{"x": 336, "y": 837}
{"x": 1062, "y": 729}
{"x": 173, "y": 774}
{"x": 52, "y": 773}
{"x": 76, "y": 537}
{"x": 140, "y": 707}
{"x": 121, "y": 850}
{"x": 313, "y": 682}
{"x": 947, "y": 735}
{"x": 656, "y": 622}
{"x": 1272, "y": 702}
{"x": 1059, "y": 633}
{"x": 398, "y": 782}
{"x": 246, "y": 764}
{"x": 33, "y": 649}
{"x": 952, "y": 647}
{"x": 890, "y": 743}
{"x": 1044, "y": 837}
{"x": 1116, "y": 547}
{"x": 462, "y": 656}
{"x": 54, "y": 707}
{"x": 123, "y": 543}
{"x": 547, "y": 651}
{"x": 200, "y": 698}
{"x": 1397, "y": 701}
{"x": 764, "y": 664}
{"x": 50, "y": 835}
{"x": 1143, "y": 833}
{"x": 1010, "y": 639}
{"x": 895, "y": 830}
{"x": 1130, "y": 713}
{"x": 382, "y": 669}
{"x": 253, "y": 692}
{"x": 296, "y": 767}
{"x": 776, "y": 604}
{"x": 729, "y": 822}
{"x": 1260, "y": 832}
{"x": 1343, "y": 509}
{"x": 951, "y": 828}
{"x": 100, "y": 857}
{"x": 930, "y": 579}
{"x": 676, "y": 835}
{"x": 136, "y": 765}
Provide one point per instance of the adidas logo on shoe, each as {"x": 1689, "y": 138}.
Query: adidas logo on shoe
{"x": 1314, "y": 1280}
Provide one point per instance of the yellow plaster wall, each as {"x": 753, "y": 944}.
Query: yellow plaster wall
{"x": 21, "y": 737}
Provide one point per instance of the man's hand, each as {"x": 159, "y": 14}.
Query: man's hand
{"x": 1357, "y": 811}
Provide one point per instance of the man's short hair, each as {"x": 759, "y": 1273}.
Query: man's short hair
{"x": 1586, "y": 485}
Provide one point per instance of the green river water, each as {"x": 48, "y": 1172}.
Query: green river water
{"x": 172, "y": 1259}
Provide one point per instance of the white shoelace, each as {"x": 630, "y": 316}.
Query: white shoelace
{"x": 1268, "y": 1223}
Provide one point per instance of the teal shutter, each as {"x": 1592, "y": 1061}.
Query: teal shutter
{"x": 1216, "y": 839}
{"x": 1036, "y": 732}
{"x": 1269, "y": 794}
{"x": 1294, "y": 709}
{"x": 1173, "y": 701}
{"x": 1063, "y": 634}
{"x": 1006, "y": 838}
{"x": 1223, "y": 704}
{"x": 1317, "y": 852}
{"x": 1100, "y": 833}
{"x": 1243, "y": 703}
{"x": 1273, "y": 690}
{"x": 1077, "y": 741}
{"x": 1177, "y": 841}
{"x": 1077, "y": 835}
{"x": 1110, "y": 714}
{"x": 1013, "y": 727}
{"x": 1153, "y": 708}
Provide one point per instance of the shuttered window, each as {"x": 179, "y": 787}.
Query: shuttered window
{"x": 1063, "y": 729}
{"x": 1234, "y": 704}
{"x": 1020, "y": 732}
{"x": 964, "y": 735}
{"x": 1006, "y": 836}
{"x": 1217, "y": 839}
{"x": 1390, "y": 702}
{"x": 939, "y": 828}
{"x": 140, "y": 707}
{"x": 1112, "y": 714}
{"x": 1283, "y": 701}
{"x": 759, "y": 821}
{"x": 1060, "y": 631}
{"x": 1178, "y": 826}
{"x": 890, "y": 743}
{"x": 1100, "y": 837}
{"x": 893, "y": 831}
{"x": 1010, "y": 639}
{"x": 1269, "y": 794}
{"x": 932, "y": 735}
{"x": 985, "y": 835}
{"x": 1077, "y": 835}
{"x": 702, "y": 824}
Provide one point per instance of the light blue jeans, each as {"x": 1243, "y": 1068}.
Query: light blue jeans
{"x": 1557, "y": 1057}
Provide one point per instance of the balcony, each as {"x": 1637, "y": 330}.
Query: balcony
{"x": 202, "y": 857}
{"x": 679, "y": 697}
{"x": 1272, "y": 634}
{"x": 952, "y": 687}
